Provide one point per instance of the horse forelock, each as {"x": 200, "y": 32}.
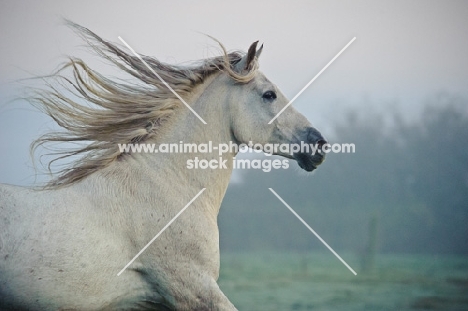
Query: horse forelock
{"x": 116, "y": 112}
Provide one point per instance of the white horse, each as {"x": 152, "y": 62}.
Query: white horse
{"x": 62, "y": 246}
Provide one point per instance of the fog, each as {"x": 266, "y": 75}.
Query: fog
{"x": 404, "y": 190}
{"x": 399, "y": 93}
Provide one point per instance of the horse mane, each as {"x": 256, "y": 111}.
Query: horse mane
{"x": 102, "y": 113}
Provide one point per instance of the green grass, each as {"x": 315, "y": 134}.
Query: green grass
{"x": 321, "y": 282}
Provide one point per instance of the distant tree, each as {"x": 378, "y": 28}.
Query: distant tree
{"x": 437, "y": 149}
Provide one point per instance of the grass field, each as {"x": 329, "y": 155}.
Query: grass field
{"x": 321, "y": 282}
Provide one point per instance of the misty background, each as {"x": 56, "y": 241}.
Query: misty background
{"x": 399, "y": 93}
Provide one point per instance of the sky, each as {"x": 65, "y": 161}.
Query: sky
{"x": 405, "y": 52}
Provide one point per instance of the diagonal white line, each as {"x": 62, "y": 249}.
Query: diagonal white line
{"x": 164, "y": 82}
{"x": 312, "y": 230}
{"x": 160, "y": 232}
{"x": 313, "y": 79}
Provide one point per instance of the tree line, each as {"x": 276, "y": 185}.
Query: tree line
{"x": 408, "y": 180}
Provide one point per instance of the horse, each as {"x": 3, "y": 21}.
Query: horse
{"x": 62, "y": 244}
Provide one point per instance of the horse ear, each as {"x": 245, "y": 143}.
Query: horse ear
{"x": 259, "y": 52}
{"x": 250, "y": 55}
{"x": 246, "y": 61}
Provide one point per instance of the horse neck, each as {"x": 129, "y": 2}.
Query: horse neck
{"x": 210, "y": 103}
{"x": 161, "y": 169}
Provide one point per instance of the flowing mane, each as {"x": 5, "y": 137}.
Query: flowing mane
{"x": 102, "y": 113}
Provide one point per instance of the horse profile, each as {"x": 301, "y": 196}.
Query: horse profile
{"x": 62, "y": 246}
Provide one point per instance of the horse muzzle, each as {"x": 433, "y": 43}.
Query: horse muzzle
{"x": 310, "y": 159}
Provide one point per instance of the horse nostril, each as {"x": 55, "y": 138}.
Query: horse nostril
{"x": 316, "y": 138}
{"x": 321, "y": 142}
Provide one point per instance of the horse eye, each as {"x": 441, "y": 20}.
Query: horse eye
{"x": 269, "y": 95}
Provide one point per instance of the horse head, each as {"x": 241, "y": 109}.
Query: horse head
{"x": 259, "y": 101}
